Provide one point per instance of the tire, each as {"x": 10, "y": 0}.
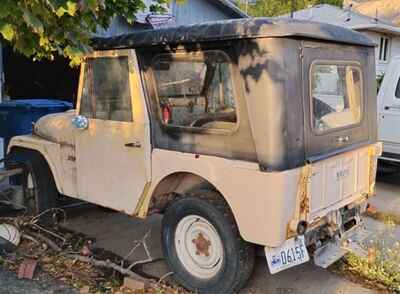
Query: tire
{"x": 40, "y": 191}
{"x": 203, "y": 247}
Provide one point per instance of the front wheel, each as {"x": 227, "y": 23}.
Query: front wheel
{"x": 203, "y": 246}
{"x": 40, "y": 191}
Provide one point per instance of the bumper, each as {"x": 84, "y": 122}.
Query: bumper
{"x": 351, "y": 241}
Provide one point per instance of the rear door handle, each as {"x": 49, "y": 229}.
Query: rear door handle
{"x": 136, "y": 144}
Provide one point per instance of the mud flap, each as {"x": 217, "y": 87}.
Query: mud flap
{"x": 350, "y": 242}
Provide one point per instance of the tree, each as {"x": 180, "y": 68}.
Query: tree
{"x": 280, "y": 7}
{"x": 42, "y": 28}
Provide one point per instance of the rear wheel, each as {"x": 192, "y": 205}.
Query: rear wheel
{"x": 40, "y": 191}
{"x": 203, "y": 246}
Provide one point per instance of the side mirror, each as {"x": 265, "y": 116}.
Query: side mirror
{"x": 80, "y": 122}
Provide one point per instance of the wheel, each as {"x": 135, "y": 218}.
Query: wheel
{"x": 203, "y": 247}
{"x": 40, "y": 191}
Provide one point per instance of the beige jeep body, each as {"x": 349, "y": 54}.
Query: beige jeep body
{"x": 275, "y": 192}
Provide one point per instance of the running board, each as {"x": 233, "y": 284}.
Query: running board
{"x": 333, "y": 251}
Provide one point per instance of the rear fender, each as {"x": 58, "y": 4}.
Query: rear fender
{"x": 49, "y": 150}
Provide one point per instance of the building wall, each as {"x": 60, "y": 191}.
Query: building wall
{"x": 189, "y": 12}
{"x": 394, "y": 49}
{"x": 195, "y": 11}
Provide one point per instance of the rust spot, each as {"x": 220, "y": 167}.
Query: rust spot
{"x": 303, "y": 191}
{"x": 202, "y": 245}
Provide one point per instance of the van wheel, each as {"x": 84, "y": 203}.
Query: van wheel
{"x": 40, "y": 191}
{"x": 203, "y": 247}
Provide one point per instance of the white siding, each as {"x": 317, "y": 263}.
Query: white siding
{"x": 393, "y": 50}
{"x": 195, "y": 11}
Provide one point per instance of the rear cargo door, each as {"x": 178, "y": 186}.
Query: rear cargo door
{"x": 337, "y": 122}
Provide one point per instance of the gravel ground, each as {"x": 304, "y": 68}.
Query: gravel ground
{"x": 42, "y": 284}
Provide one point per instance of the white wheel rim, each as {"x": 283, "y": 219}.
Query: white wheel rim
{"x": 199, "y": 247}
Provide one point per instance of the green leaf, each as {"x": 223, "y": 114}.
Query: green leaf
{"x": 74, "y": 54}
{"x": 7, "y": 31}
{"x": 92, "y": 4}
{"x": 60, "y": 11}
{"x": 33, "y": 22}
{"x": 71, "y": 9}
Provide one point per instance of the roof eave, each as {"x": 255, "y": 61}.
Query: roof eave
{"x": 378, "y": 28}
{"x": 233, "y": 9}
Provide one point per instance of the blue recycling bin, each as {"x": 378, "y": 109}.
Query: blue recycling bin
{"x": 17, "y": 116}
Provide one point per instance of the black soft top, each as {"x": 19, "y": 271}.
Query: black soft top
{"x": 244, "y": 28}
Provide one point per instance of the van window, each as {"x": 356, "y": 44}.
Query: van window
{"x": 195, "y": 90}
{"x": 336, "y": 96}
{"x": 106, "y": 93}
{"x": 397, "y": 93}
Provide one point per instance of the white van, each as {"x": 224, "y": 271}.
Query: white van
{"x": 389, "y": 112}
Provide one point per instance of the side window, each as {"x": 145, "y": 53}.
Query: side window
{"x": 106, "y": 92}
{"x": 195, "y": 90}
{"x": 384, "y": 48}
{"x": 397, "y": 93}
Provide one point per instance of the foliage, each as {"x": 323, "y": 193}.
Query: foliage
{"x": 381, "y": 266}
{"x": 42, "y": 28}
{"x": 280, "y": 7}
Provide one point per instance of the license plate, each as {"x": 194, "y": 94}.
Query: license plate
{"x": 293, "y": 252}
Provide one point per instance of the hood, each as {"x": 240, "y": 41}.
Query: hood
{"x": 57, "y": 128}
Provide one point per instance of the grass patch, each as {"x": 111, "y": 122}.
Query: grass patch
{"x": 384, "y": 217}
{"x": 384, "y": 272}
{"x": 380, "y": 267}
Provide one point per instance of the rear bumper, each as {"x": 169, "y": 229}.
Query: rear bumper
{"x": 351, "y": 241}
{"x": 343, "y": 232}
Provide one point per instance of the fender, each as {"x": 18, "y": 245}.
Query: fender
{"x": 49, "y": 150}
{"x": 262, "y": 206}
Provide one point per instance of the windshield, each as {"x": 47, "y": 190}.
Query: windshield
{"x": 336, "y": 96}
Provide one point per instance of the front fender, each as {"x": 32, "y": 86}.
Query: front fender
{"x": 49, "y": 150}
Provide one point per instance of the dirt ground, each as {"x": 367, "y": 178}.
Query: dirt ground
{"x": 42, "y": 284}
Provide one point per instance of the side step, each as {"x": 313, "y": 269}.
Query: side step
{"x": 350, "y": 242}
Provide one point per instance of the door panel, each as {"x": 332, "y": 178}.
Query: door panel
{"x": 339, "y": 178}
{"x": 389, "y": 107}
{"x": 333, "y": 184}
{"x": 113, "y": 152}
{"x": 348, "y": 175}
{"x": 387, "y": 121}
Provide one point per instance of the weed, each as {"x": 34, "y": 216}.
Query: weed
{"x": 382, "y": 263}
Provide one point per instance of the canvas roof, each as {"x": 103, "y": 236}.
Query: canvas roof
{"x": 243, "y": 28}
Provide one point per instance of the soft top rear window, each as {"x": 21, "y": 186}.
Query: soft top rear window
{"x": 336, "y": 94}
